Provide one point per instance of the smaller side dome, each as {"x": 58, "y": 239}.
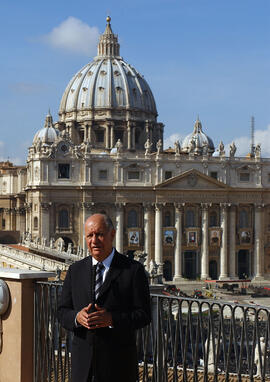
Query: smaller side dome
{"x": 48, "y": 134}
{"x": 198, "y": 142}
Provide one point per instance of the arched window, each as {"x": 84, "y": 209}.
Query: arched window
{"x": 132, "y": 219}
{"x": 190, "y": 218}
{"x": 35, "y": 222}
{"x": 63, "y": 220}
{"x": 243, "y": 219}
{"x": 167, "y": 220}
{"x": 213, "y": 219}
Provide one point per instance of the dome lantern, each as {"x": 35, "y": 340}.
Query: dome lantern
{"x": 108, "y": 42}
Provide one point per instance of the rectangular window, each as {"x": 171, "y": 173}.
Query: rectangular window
{"x": 63, "y": 171}
{"x": 213, "y": 174}
{"x": 244, "y": 177}
{"x": 3, "y": 224}
{"x": 168, "y": 174}
{"x": 268, "y": 177}
{"x": 133, "y": 175}
{"x": 103, "y": 174}
{"x": 100, "y": 136}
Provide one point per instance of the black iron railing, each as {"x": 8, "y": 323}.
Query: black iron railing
{"x": 188, "y": 339}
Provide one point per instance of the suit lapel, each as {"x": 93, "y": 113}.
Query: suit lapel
{"x": 86, "y": 278}
{"x": 114, "y": 271}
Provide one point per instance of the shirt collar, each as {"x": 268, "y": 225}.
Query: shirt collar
{"x": 106, "y": 262}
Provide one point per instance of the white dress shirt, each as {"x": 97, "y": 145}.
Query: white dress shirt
{"x": 106, "y": 263}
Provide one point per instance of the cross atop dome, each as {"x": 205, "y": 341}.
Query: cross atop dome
{"x": 108, "y": 42}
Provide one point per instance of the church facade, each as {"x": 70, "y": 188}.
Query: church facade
{"x": 198, "y": 216}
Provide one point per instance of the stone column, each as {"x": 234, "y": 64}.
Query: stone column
{"x": 90, "y": 131}
{"x": 178, "y": 276}
{"x": 158, "y": 237}
{"x": 119, "y": 245}
{"x": 107, "y": 137}
{"x": 224, "y": 243}
{"x": 85, "y": 132}
{"x": 20, "y": 219}
{"x": 8, "y": 219}
{"x": 28, "y": 207}
{"x": 232, "y": 253}
{"x": 87, "y": 210}
{"x": 13, "y": 219}
{"x": 133, "y": 133}
{"x": 112, "y": 136}
{"x": 147, "y": 232}
{"x": 258, "y": 243}
{"x": 205, "y": 240}
{"x": 129, "y": 135}
{"x": 45, "y": 221}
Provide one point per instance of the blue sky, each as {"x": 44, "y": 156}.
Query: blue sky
{"x": 200, "y": 57}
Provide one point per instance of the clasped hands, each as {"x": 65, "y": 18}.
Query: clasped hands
{"x": 100, "y": 318}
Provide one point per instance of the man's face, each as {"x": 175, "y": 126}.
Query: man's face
{"x": 98, "y": 238}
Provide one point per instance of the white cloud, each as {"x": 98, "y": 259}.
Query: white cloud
{"x": 75, "y": 36}
{"x": 243, "y": 143}
{"x": 169, "y": 142}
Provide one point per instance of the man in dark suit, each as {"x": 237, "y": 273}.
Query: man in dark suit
{"x": 104, "y": 307}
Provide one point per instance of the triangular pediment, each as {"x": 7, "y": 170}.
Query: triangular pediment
{"x": 192, "y": 179}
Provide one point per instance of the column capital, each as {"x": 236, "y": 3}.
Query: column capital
{"x": 225, "y": 206}
{"x": 119, "y": 206}
{"x": 205, "y": 206}
{"x": 158, "y": 206}
{"x": 259, "y": 207}
{"x": 147, "y": 206}
{"x": 87, "y": 205}
{"x": 179, "y": 206}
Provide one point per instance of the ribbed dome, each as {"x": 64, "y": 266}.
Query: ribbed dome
{"x": 48, "y": 134}
{"x": 108, "y": 83}
{"x": 198, "y": 142}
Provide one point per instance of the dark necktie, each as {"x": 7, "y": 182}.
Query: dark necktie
{"x": 99, "y": 278}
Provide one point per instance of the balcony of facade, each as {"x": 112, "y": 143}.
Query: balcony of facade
{"x": 188, "y": 340}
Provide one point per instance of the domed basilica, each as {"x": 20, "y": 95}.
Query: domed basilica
{"x": 195, "y": 215}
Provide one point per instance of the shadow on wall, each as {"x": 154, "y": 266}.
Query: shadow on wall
{"x": 9, "y": 237}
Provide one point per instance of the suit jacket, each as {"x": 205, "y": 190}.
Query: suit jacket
{"x": 111, "y": 352}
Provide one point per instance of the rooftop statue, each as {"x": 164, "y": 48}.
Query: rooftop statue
{"x": 232, "y": 149}
{"x": 147, "y": 147}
